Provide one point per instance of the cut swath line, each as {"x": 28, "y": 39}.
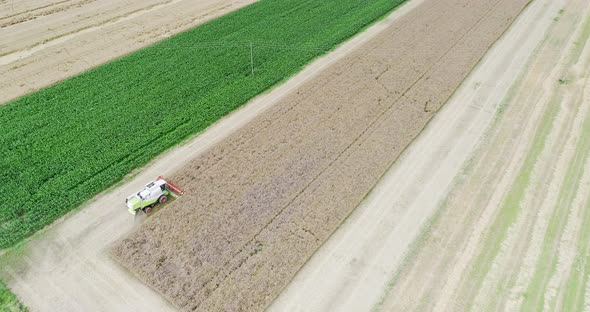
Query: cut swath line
{"x": 15, "y": 55}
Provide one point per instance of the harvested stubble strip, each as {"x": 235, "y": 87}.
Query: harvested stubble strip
{"x": 263, "y": 200}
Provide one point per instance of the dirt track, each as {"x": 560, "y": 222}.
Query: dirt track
{"x": 42, "y": 41}
{"x": 352, "y": 270}
{"x": 262, "y": 201}
{"x": 514, "y": 233}
{"x": 67, "y": 266}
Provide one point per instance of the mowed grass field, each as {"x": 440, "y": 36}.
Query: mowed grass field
{"x": 62, "y": 145}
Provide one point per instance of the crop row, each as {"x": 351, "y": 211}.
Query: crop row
{"x": 62, "y": 145}
{"x": 8, "y": 301}
{"x": 307, "y": 163}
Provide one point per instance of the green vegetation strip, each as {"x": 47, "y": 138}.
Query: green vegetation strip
{"x": 577, "y": 282}
{"x": 64, "y": 144}
{"x": 547, "y": 262}
{"x": 511, "y": 205}
{"x": 8, "y": 302}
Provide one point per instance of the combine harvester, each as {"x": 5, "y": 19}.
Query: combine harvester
{"x": 156, "y": 192}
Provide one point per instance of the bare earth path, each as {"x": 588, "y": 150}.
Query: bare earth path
{"x": 351, "y": 271}
{"x": 67, "y": 266}
{"x": 263, "y": 200}
{"x": 42, "y": 41}
{"x": 513, "y": 235}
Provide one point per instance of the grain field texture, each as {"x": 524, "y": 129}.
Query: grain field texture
{"x": 353, "y": 269}
{"x": 513, "y": 233}
{"x": 259, "y": 203}
{"x": 43, "y": 41}
{"x": 67, "y": 267}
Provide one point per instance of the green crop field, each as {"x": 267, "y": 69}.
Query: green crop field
{"x": 8, "y": 302}
{"x": 62, "y": 145}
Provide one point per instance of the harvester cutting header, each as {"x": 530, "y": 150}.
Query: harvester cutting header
{"x": 156, "y": 192}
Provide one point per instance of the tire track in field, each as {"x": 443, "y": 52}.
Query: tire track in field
{"x": 325, "y": 203}
{"x": 523, "y": 274}
{"x": 39, "y": 42}
{"x": 44, "y": 65}
{"x": 33, "y": 14}
{"x": 451, "y": 250}
{"x": 575, "y": 291}
{"x": 359, "y": 253}
{"x": 508, "y": 263}
{"x": 563, "y": 251}
{"x": 468, "y": 273}
{"x": 513, "y": 246}
{"x": 438, "y": 258}
{"x": 429, "y": 289}
{"x": 61, "y": 280}
{"x": 12, "y": 13}
{"x": 568, "y": 247}
{"x": 498, "y": 235}
{"x": 546, "y": 261}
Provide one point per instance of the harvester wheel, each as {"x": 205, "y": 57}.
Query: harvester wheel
{"x": 163, "y": 199}
{"x": 147, "y": 210}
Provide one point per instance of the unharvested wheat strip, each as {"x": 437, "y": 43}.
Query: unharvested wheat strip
{"x": 545, "y": 60}
{"x": 447, "y": 238}
{"x": 252, "y": 277}
{"x": 389, "y": 123}
{"x": 405, "y": 203}
{"x": 311, "y": 115}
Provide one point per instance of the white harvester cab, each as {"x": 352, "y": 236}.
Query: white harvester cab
{"x": 156, "y": 192}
